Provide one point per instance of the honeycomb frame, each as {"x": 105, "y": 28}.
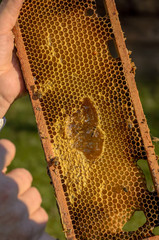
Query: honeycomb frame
{"x": 41, "y": 122}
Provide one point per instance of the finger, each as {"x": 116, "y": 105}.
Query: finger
{"x": 39, "y": 220}
{"x": 8, "y": 192}
{"x": 7, "y": 45}
{"x": 11, "y": 85}
{"x": 46, "y": 236}
{"x": 4, "y": 170}
{"x": 22, "y": 178}
{"x": 9, "y": 11}
{"x": 34, "y": 227}
{"x": 32, "y": 199}
{"x": 18, "y": 211}
{"x": 12, "y": 215}
{"x": 7, "y": 153}
{"x": 40, "y": 217}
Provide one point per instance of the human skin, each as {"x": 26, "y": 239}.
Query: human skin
{"x": 21, "y": 216}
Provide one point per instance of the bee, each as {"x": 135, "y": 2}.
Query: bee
{"x": 93, "y": 131}
{"x": 129, "y": 52}
{"x": 2, "y": 123}
{"x": 94, "y": 53}
{"x": 67, "y": 231}
{"x": 155, "y": 139}
{"x": 42, "y": 135}
{"x": 129, "y": 124}
{"x": 37, "y": 95}
{"x": 125, "y": 189}
{"x": 38, "y": 109}
{"x": 53, "y": 162}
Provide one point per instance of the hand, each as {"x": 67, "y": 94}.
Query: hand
{"x": 11, "y": 80}
{"x": 21, "y": 217}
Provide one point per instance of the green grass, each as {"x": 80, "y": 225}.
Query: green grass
{"x": 149, "y": 96}
{"x": 146, "y": 171}
{"x": 22, "y": 131}
{"x": 137, "y": 220}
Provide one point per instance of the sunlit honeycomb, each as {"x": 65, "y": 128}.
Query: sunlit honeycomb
{"x": 90, "y": 118}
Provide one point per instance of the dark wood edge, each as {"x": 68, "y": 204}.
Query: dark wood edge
{"x": 130, "y": 78}
{"x": 44, "y": 135}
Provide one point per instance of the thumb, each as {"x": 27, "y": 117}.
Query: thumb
{"x": 9, "y": 11}
{"x": 7, "y": 153}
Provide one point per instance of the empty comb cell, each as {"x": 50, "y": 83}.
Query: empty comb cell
{"x": 92, "y": 126}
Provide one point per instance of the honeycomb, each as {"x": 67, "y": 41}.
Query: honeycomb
{"x": 90, "y": 118}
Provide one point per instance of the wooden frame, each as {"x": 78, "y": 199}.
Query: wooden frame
{"x": 129, "y": 73}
